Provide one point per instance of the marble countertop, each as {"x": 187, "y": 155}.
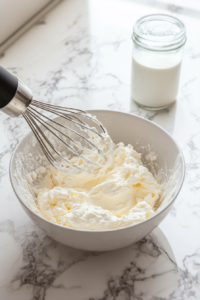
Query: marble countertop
{"x": 79, "y": 55}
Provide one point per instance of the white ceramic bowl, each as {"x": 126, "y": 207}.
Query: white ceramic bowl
{"x": 129, "y": 129}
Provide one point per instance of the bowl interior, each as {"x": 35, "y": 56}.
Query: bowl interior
{"x": 160, "y": 154}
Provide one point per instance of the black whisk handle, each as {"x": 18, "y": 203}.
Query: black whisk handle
{"x": 8, "y": 87}
{"x": 15, "y": 96}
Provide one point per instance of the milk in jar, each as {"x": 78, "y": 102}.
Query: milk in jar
{"x": 156, "y": 62}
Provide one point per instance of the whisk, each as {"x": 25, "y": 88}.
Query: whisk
{"x": 16, "y": 99}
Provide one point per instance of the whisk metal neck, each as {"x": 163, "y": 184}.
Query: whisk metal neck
{"x": 20, "y": 102}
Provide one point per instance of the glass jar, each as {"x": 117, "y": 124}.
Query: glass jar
{"x": 158, "y": 42}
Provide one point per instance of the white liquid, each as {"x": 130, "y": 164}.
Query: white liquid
{"x": 155, "y": 85}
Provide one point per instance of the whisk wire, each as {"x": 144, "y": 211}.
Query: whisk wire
{"x": 35, "y": 118}
{"x": 68, "y": 109}
{"x": 44, "y": 148}
{"x": 74, "y": 151}
{"x": 53, "y": 148}
{"x": 70, "y": 129}
{"x": 48, "y": 107}
{"x": 52, "y": 108}
{"x": 68, "y": 117}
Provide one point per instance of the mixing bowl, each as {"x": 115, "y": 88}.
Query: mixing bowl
{"x": 165, "y": 161}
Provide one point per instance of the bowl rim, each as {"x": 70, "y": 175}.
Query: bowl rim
{"x": 105, "y": 230}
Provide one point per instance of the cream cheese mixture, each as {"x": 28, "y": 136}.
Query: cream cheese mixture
{"x": 120, "y": 193}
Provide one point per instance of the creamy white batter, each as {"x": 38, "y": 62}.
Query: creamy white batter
{"x": 118, "y": 194}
